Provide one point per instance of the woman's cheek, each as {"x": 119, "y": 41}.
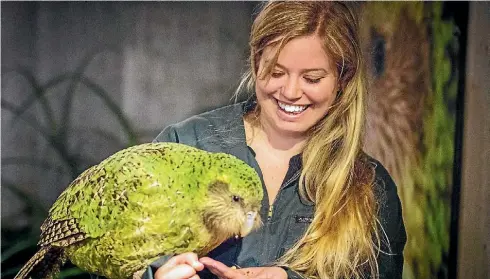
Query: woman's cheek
{"x": 270, "y": 87}
{"x": 316, "y": 95}
{"x": 320, "y": 94}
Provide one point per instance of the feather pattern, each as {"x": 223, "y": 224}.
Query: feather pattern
{"x": 144, "y": 202}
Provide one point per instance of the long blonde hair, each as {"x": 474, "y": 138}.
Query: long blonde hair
{"x": 342, "y": 241}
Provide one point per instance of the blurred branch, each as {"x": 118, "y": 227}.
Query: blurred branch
{"x": 31, "y": 121}
{"x": 100, "y": 133}
{"x": 35, "y": 207}
{"x": 59, "y": 133}
{"x": 30, "y": 161}
{"x": 58, "y": 146}
{"x": 39, "y": 92}
{"x": 113, "y": 107}
{"x": 75, "y": 80}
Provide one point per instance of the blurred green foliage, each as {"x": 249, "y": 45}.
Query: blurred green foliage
{"x": 425, "y": 184}
{"x": 428, "y": 213}
{"x": 438, "y": 140}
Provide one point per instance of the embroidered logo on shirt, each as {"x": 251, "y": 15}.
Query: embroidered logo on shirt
{"x": 303, "y": 219}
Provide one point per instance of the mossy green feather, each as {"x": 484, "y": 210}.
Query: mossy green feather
{"x": 124, "y": 203}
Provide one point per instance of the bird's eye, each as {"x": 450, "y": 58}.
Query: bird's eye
{"x": 236, "y": 198}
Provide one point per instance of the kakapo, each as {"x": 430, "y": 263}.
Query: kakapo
{"x": 144, "y": 202}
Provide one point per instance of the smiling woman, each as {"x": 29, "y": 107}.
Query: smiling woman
{"x": 299, "y": 90}
{"x": 331, "y": 210}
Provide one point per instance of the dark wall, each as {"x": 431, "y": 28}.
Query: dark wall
{"x": 159, "y": 62}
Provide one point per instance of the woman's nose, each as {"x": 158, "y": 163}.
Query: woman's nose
{"x": 291, "y": 89}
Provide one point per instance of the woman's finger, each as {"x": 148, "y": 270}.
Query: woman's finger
{"x": 219, "y": 269}
{"x": 177, "y": 272}
{"x": 187, "y": 259}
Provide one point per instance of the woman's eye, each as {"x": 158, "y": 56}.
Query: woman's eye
{"x": 236, "y": 198}
{"x": 277, "y": 74}
{"x": 312, "y": 80}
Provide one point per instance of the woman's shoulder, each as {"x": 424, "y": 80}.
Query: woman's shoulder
{"x": 383, "y": 181}
{"x": 392, "y": 229}
{"x": 386, "y": 192}
{"x": 206, "y": 128}
{"x": 216, "y": 116}
{"x": 389, "y": 205}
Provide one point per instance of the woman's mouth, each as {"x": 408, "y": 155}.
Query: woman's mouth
{"x": 293, "y": 109}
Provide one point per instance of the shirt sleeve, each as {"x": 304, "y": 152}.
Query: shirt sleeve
{"x": 169, "y": 134}
{"x": 291, "y": 273}
{"x": 392, "y": 229}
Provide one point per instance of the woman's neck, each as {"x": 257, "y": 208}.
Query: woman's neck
{"x": 263, "y": 135}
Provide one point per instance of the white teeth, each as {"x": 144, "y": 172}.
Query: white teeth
{"x": 290, "y": 108}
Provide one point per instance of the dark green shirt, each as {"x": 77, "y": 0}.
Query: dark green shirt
{"x": 286, "y": 220}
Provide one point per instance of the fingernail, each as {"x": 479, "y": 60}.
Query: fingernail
{"x": 196, "y": 264}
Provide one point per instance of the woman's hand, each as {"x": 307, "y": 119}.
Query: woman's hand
{"x": 183, "y": 266}
{"x": 225, "y": 272}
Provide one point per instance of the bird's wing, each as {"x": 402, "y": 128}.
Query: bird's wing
{"x": 61, "y": 232}
{"x": 64, "y": 229}
{"x": 93, "y": 202}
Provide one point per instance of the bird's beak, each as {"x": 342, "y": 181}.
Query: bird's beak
{"x": 249, "y": 223}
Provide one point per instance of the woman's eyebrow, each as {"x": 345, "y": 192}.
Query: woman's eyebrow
{"x": 315, "y": 70}
{"x": 302, "y": 71}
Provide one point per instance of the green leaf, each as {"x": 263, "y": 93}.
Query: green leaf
{"x": 18, "y": 247}
{"x": 10, "y": 272}
{"x": 70, "y": 272}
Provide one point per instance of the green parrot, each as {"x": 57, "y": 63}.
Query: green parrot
{"x": 144, "y": 202}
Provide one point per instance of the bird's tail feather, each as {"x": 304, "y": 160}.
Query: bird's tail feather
{"x": 46, "y": 263}
{"x": 29, "y": 266}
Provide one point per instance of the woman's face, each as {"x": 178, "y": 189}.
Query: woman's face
{"x": 300, "y": 89}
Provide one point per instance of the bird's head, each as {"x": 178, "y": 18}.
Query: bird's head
{"x": 233, "y": 199}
